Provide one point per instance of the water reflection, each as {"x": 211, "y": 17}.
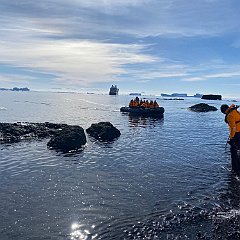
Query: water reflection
{"x": 141, "y": 121}
{"x": 231, "y": 197}
{"x": 80, "y": 232}
{"x": 227, "y": 220}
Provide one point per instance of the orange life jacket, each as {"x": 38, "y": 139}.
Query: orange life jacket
{"x": 151, "y": 105}
{"x": 131, "y": 103}
{"x": 156, "y": 105}
{"x": 144, "y": 105}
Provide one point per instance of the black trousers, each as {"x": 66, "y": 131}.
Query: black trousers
{"x": 235, "y": 146}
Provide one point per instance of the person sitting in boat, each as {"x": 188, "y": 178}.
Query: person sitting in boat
{"x": 135, "y": 104}
{"x": 144, "y": 104}
{"x": 131, "y": 103}
{"x": 155, "y": 104}
{"x": 151, "y": 104}
{"x": 147, "y": 103}
{"x": 137, "y": 99}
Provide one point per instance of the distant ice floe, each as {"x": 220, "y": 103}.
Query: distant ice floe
{"x": 3, "y": 108}
{"x": 43, "y": 103}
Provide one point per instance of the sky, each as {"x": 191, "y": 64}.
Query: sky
{"x": 148, "y": 46}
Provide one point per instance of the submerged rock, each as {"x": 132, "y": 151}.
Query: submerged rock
{"x": 68, "y": 139}
{"x": 202, "y": 107}
{"x": 103, "y": 131}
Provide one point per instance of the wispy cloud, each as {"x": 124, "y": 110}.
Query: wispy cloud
{"x": 194, "y": 79}
{"x": 227, "y": 72}
{"x": 79, "y": 62}
{"x": 16, "y": 78}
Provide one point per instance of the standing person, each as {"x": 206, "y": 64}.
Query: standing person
{"x": 232, "y": 118}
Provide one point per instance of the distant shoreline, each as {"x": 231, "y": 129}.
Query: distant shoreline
{"x": 15, "y": 89}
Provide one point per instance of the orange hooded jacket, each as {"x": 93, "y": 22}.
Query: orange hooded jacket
{"x": 233, "y": 119}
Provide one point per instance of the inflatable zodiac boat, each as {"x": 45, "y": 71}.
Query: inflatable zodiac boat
{"x": 147, "y": 112}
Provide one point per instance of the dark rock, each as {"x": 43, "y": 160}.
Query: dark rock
{"x": 202, "y": 107}
{"x": 212, "y": 97}
{"x": 68, "y": 139}
{"x": 103, "y": 131}
{"x": 15, "y": 132}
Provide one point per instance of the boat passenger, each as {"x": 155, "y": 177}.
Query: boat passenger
{"x": 155, "y": 104}
{"x": 151, "y": 105}
{"x": 232, "y": 118}
{"x": 144, "y": 104}
{"x": 147, "y": 102}
{"x": 131, "y": 103}
{"x": 135, "y": 103}
{"x": 137, "y": 99}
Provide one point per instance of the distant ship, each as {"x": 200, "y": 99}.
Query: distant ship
{"x": 113, "y": 90}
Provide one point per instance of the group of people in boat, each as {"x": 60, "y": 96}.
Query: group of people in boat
{"x": 136, "y": 103}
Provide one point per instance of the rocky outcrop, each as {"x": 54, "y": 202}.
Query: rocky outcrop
{"x": 15, "y": 132}
{"x": 103, "y": 131}
{"x": 212, "y": 97}
{"x": 70, "y": 138}
{"x": 63, "y": 137}
{"x": 202, "y": 107}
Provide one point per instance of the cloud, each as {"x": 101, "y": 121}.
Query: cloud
{"x": 224, "y": 75}
{"x": 78, "y": 62}
{"x": 139, "y": 18}
{"x": 227, "y": 72}
{"x": 194, "y": 79}
{"x": 15, "y": 78}
{"x": 152, "y": 74}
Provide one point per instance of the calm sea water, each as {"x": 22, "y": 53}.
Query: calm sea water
{"x": 162, "y": 179}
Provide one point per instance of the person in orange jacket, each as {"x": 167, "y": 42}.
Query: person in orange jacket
{"x": 155, "y": 104}
{"x": 131, "y": 103}
{"x": 144, "y": 105}
{"x": 151, "y": 105}
{"x": 136, "y": 103}
{"x": 232, "y": 118}
{"x": 147, "y": 104}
